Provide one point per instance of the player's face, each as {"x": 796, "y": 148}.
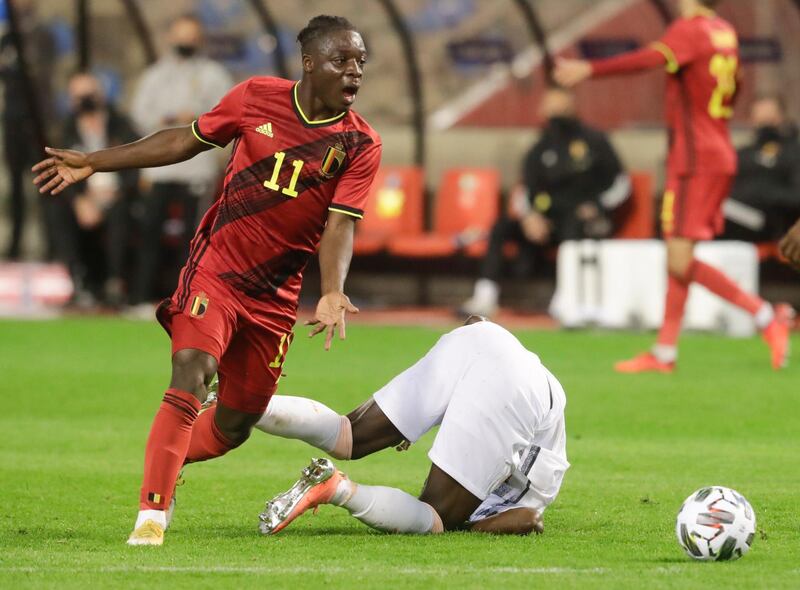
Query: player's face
{"x": 337, "y": 68}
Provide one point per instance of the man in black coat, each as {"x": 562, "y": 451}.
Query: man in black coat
{"x": 574, "y": 183}
{"x": 765, "y": 197}
{"x": 92, "y": 218}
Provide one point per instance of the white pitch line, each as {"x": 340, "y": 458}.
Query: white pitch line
{"x": 222, "y": 569}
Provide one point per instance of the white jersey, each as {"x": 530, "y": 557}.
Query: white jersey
{"x": 501, "y": 412}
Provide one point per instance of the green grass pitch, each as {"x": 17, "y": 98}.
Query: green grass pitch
{"x": 78, "y": 397}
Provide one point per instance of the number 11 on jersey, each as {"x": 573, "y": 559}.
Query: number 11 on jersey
{"x": 272, "y": 183}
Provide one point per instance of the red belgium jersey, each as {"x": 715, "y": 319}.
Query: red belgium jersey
{"x": 284, "y": 176}
{"x": 702, "y": 59}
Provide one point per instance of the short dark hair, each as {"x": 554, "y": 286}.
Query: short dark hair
{"x": 322, "y": 25}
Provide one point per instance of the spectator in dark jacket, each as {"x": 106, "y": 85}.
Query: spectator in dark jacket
{"x": 21, "y": 145}
{"x": 765, "y": 197}
{"x": 93, "y": 218}
{"x": 573, "y": 182}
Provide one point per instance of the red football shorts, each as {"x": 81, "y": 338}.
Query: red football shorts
{"x": 692, "y": 206}
{"x": 249, "y": 341}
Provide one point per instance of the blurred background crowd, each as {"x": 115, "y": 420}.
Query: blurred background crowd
{"x": 486, "y": 169}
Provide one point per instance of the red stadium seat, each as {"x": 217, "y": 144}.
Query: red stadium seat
{"x": 395, "y": 206}
{"x": 467, "y": 205}
{"x": 639, "y": 222}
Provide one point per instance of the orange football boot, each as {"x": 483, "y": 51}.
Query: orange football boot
{"x": 316, "y": 486}
{"x": 644, "y": 363}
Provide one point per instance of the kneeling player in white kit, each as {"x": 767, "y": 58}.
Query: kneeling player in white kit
{"x": 497, "y": 461}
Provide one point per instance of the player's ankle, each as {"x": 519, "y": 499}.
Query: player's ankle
{"x": 157, "y": 516}
{"x": 764, "y": 316}
{"x": 665, "y": 353}
{"x": 344, "y": 491}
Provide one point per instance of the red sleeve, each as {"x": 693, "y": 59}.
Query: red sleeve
{"x": 220, "y": 125}
{"x": 678, "y": 45}
{"x": 633, "y": 61}
{"x": 353, "y": 188}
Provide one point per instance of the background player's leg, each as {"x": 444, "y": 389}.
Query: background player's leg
{"x": 680, "y": 253}
{"x": 169, "y": 437}
{"x": 723, "y": 286}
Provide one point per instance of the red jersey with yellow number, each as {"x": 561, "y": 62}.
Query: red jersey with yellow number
{"x": 284, "y": 176}
{"x": 702, "y": 59}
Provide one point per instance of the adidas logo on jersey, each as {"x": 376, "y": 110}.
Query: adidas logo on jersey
{"x": 265, "y": 129}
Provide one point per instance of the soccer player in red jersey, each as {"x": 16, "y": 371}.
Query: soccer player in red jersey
{"x": 300, "y": 170}
{"x": 700, "y": 52}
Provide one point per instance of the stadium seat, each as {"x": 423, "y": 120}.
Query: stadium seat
{"x": 639, "y": 222}
{"x": 467, "y": 204}
{"x": 395, "y": 206}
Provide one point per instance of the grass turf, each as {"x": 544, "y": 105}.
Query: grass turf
{"x": 79, "y": 396}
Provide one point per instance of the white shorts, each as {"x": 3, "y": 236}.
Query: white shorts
{"x": 494, "y": 405}
{"x": 482, "y": 442}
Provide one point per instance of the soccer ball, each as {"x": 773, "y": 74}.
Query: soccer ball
{"x": 716, "y": 524}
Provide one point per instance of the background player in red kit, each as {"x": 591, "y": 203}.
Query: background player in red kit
{"x": 700, "y": 51}
{"x": 301, "y": 167}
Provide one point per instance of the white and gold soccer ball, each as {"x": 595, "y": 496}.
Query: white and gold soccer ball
{"x": 716, "y": 524}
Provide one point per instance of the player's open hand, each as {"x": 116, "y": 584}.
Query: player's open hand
{"x": 330, "y": 314}
{"x": 571, "y": 72}
{"x": 61, "y": 169}
{"x": 790, "y": 245}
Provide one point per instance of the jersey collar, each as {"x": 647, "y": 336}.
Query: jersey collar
{"x": 305, "y": 120}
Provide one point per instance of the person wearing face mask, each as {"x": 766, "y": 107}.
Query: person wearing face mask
{"x": 91, "y": 222}
{"x": 172, "y": 92}
{"x": 574, "y": 184}
{"x": 765, "y": 197}
{"x": 21, "y": 146}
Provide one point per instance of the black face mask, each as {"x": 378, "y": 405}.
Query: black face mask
{"x": 185, "y": 51}
{"x": 88, "y": 103}
{"x": 768, "y": 133}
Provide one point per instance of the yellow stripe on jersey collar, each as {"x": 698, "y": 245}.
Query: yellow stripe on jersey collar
{"x": 303, "y": 115}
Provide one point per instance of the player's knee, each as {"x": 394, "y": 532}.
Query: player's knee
{"x": 451, "y": 519}
{"x": 235, "y": 426}
{"x": 679, "y": 268}
{"x": 192, "y": 370}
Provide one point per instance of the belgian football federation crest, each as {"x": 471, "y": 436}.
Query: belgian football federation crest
{"x": 332, "y": 160}
{"x": 199, "y": 305}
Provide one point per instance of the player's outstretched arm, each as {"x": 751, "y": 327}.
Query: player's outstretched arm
{"x": 571, "y": 72}
{"x": 335, "y": 253}
{"x": 517, "y": 521}
{"x": 66, "y": 167}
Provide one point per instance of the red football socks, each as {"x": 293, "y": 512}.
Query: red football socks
{"x": 713, "y": 280}
{"x": 722, "y": 286}
{"x": 166, "y": 448}
{"x": 207, "y": 441}
{"x": 677, "y": 292}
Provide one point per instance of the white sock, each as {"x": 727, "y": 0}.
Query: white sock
{"x": 665, "y": 353}
{"x": 764, "y": 316}
{"x": 487, "y": 291}
{"x": 157, "y": 516}
{"x": 310, "y": 421}
{"x": 387, "y": 509}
